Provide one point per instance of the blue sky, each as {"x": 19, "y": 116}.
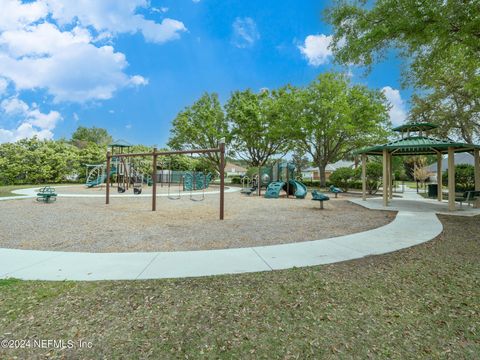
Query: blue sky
{"x": 131, "y": 66}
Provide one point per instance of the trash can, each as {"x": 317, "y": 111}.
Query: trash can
{"x": 432, "y": 190}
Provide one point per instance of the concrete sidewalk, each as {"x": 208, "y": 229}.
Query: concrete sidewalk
{"x": 407, "y": 229}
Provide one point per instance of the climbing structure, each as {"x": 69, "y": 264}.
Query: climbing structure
{"x": 122, "y": 171}
{"x": 281, "y": 177}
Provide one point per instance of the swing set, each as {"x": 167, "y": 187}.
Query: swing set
{"x": 203, "y": 182}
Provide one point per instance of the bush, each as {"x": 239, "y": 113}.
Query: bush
{"x": 464, "y": 177}
{"x": 374, "y": 172}
{"x": 236, "y": 180}
{"x": 342, "y": 177}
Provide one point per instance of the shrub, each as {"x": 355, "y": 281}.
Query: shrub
{"x": 341, "y": 177}
{"x": 374, "y": 172}
{"x": 236, "y": 180}
{"x": 464, "y": 177}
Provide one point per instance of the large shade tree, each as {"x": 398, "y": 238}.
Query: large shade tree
{"x": 84, "y": 135}
{"x": 262, "y": 124}
{"x": 335, "y": 118}
{"x": 440, "y": 42}
{"x": 201, "y": 126}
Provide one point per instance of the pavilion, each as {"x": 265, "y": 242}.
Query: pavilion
{"x": 415, "y": 140}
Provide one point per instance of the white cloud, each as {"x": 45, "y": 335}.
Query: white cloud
{"x": 245, "y": 32}
{"x": 15, "y": 14}
{"x": 3, "y": 86}
{"x": 30, "y": 121}
{"x": 116, "y": 17}
{"x": 53, "y": 45}
{"x": 138, "y": 80}
{"x": 397, "y": 112}
{"x": 316, "y": 49}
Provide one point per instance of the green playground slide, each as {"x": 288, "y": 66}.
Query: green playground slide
{"x": 100, "y": 179}
{"x": 273, "y": 190}
{"x": 296, "y": 188}
{"x": 300, "y": 189}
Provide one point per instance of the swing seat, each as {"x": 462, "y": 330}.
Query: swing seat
{"x": 121, "y": 189}
{"x": 137, "y": 190}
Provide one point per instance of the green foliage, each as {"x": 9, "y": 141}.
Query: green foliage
{"x": 342, "y": 177}
{"x": 236, "y": 180}
{"x": 33, "y": 161}
{"x": 262, "y": 124}
{"x": 201, "y": 126}
{"x": 374, "y": 173}
{"x": 84, "y": 135}
{"x": 439, "y": 41}
{"x": 300, "y": 160}
{"x": 451, "y": 103}
{"x": 464, "y": 177}
{"x": 334, "y": 118}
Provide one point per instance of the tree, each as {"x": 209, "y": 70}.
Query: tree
{"x": 84, "y": 135}
{"x": 300, "y": 160}
{"x": 342, "y": 176}
{"x": 336, "y": 118}
{"x": 464, "y": 177}
{"x": 454, "y": 107}
{"x": 439, "y": 40}
{"x": 374, "y": 175}
{"x": 262, "y": 124}
{"x": 201, "y": 125}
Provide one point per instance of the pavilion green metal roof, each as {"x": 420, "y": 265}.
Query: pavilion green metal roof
{"x": 411, "y": 127}
{"x": 418, "y": 145}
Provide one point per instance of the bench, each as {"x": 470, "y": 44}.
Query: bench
{"x": 47, "y": 194}
{"x": 468, "y": 197}
{"x": 335, "y": 190}
{"x": 318, "y": 196}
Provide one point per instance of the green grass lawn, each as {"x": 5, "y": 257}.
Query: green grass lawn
{"x": 422, "y": 302}
{"x": 7, "y": 190}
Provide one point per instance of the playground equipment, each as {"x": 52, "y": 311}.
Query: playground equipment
{"x": 246, "y": 189}
{"x": 155, "y": 154}
{"x": 318, "y": 196}
{"x": 47, "y": 194}
{"x": 122, "y": 170}
{"x": 335, "y": 190}
{"x": 196, "y": 180}
{"x": 281, "y": 177}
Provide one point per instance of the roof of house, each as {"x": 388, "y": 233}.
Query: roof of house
{"x": 460, "y": 158}
{"x": 238, "y": 168}
{"x": 332, "y": 167}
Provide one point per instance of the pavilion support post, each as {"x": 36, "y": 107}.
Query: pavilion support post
{"x": 385, "y": 177}
{"x": 476, "y": 156}
{"x": 439, "y": 177}
{"x": 451, "y": 179}
{"x": 222, "y": 177}
{"x": 107, "y": 190}
{"x": 364, "y": 177}
{"x": 390, "y": 176}
{"x": 154, "y": 180}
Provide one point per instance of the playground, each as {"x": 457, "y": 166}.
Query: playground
{"x": 81, "y": 221}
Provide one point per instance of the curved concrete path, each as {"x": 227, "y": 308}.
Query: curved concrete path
{"x": 32, "y": 193}
{"x": 407, "y": 229}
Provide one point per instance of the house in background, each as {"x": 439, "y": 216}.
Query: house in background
{"x": 312, "y": 172}
{"x": 460, "y": 158}
{"x": 234, "y": 170}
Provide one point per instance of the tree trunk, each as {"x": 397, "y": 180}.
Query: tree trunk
{"x": 323, "y": 177}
